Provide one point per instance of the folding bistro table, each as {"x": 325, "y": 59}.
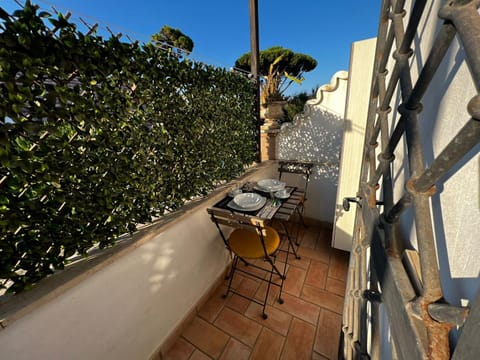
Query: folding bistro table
{"x": 280, "y": 210}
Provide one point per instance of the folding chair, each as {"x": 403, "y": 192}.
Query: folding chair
{"x": 296, "y": 167}
{"x": 303, "y": 168}
{"x": 251, "y": 239}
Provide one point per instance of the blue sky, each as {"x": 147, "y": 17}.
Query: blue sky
{"x": 220, "y": 28}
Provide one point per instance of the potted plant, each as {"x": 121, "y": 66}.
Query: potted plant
{"x": 279, "y": 68}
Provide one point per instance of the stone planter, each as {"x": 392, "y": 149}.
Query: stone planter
{"x": 274, "y": 110}
{"x": 271, "y": 113}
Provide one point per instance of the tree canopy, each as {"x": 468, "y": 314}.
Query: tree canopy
{"x": 279, "y": 67}
{"x": 174, "y": 37}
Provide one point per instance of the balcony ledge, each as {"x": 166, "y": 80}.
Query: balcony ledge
{"x": 14, "y": 307}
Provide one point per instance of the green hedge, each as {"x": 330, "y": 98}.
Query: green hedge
{"x": 98, "y": 135}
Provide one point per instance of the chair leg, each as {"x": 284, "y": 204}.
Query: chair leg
{"x": 300, "y": 214}
{"x": 282, "y": 277}
{"x": 290, "y": 241}
{"x": 269, "y": 282}
{"x": 297, "y": 226}
{"x": 274, "y": 268}
{"x": 280, "y": 300}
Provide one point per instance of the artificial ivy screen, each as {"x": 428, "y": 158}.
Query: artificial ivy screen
{"x": 98, "y": 135}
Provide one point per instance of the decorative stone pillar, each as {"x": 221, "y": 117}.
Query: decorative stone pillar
{"x": 270, "y": 129}
{"x": 268, "y": 141}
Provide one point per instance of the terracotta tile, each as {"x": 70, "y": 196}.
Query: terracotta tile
{"x": 313, "y": 254}
{"x": 339, "y": 265}
{"x": 336, "y": 286}
{"x": 284, "y": 243}
{"x": 294, "y": 281}
{"x": 206, "y": 337}
{"x": 317, "y": 274}
{"x": 272, "y": 295}
{"x": 298, "y": 236}
{"x": 237, "y": 303}
{"x": 309, "y": 239}
{"x": 236, "y": 280}
{"x": 323, "y": 298}
{"x": 247, "y": 287}
{"x": 198, "y": 355}
{"x": 299, "y": 342}
{"x": 235, "y": 350}
{"x": 252, "y": 270}
{"x": 324, "y": 242}
{"x": 181, "y": 350}
{"x": 286, "y": 249}
{"x": 277, "y": 320}
{"x": 317, "y": 356}
{"x": 302, "y": 229}
{"x": 214, "y": 305}
{"x": 275, "y": 277}
{"x": 238, "y": 326}
{"x": 328, "y": 334}
{"x": 326, "y": 232}
{"x": 240, "y": 332}
{"x": 299, "y": 308}
{"x": 268, "y": 346}
{"x": 302, "y": 263}
{"x": 283, "y": 270}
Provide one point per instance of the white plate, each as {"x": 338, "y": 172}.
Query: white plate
{"x": 234, "y": 206}
{"x": 270, "y": 185}
{"x": 282, "y": 194}
{"x": 247, "y": 200}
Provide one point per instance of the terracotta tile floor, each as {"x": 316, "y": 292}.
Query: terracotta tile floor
{"x": 306, "y": 326}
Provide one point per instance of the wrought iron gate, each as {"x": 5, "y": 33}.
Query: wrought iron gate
{"x": 419, "y": 317}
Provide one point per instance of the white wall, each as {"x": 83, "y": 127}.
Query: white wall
{"x": 129, "y": 307}
{"x": 358, "y": 97}
{"x": 315, "y": 135}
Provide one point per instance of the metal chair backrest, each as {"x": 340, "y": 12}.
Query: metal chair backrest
{"x": 238, "y": 221}
{"x": 296, "y": 167}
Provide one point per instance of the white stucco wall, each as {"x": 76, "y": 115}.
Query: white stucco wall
{"x": 315, "y": 135}
{"x": 129, "y": 307}
{"x": 358, "y": 96}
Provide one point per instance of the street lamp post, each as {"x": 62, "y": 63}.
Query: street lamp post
{"x": 255, "y": 66}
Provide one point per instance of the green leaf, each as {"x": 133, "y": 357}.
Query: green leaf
{"x": 22, "y": 143}
{"x": 294, "y": 79}
{"x": 56, "y": 185}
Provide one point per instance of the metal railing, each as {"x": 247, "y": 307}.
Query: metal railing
{"x": 419, "y": 317}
